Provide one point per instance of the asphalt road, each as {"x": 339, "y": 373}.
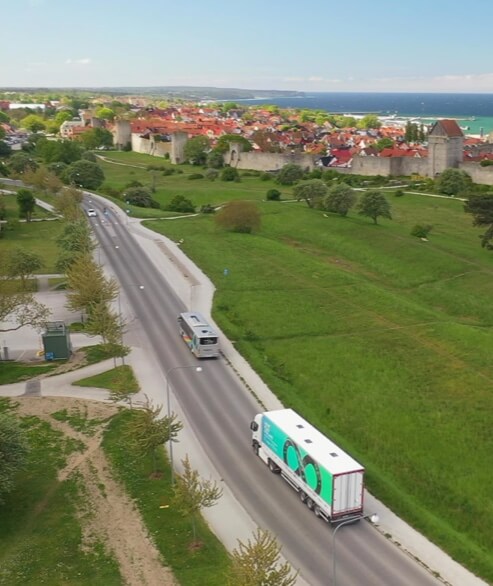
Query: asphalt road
{"x": 219, "y": 409}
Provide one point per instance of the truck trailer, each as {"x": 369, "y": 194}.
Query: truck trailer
{"x": 327, "y": 479}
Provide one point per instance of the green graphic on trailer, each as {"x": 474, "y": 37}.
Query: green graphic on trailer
{"x": 302, "y": 464}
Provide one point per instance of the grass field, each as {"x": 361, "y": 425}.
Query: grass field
{"x": 381, "y": 340}
{"x": 112, "y": 380}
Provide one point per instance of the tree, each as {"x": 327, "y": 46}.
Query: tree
{"x": 481, "y": 208}
{"x": 96, "y": 137}
{"x": 33, "y": 122}
{"x": 311, "y": 191}
{"x": 224, "y": 141}
{"x": 239, "y": 216}
{"x": 180, "y": 204}
{"x": 454, "y": 182}
{"x": 88, "y": 285}
{"x": 84, "y": 174}
{"x": 76, "y": 237}
{"x": 374, "y": 205}
{"x": 105, "y": 323}
{"x": 215, "y": 159}
{"x": 124, "y": 386}
{"x": 230, "y": 174}
{"x": 384, "y": 143}
{"x": 148, "y": 431}
{"x": 21, "y": 162}
{"x": 369, "y": 121}
{"x": 340, "y": 199}
{"x": 192, "y": 493}
{"x": 105, "y": 113}
{"x": 26, "y": 202}
{"x": 5, "y": 150}
{"x": 273, "y": 195}
{"x": 14, "y": 449}
{"x": 289, "y": 174}
{"x": 22, "y": 264}
{"x": 59, "y": 151}
{"x": 68, "y": 205}
{"x": 4, "y": 118}
{"x": 141, "y": 197}
{"x": 257, "y": 563}
{"x": 196, "y": 150}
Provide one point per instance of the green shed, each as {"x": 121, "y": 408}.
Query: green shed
{"x": 56, "y": 341}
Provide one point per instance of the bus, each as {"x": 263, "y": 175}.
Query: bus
{"x": 198, "y": 335}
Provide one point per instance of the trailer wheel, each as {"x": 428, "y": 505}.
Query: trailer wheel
{"x": 317, "y": 511}
{"x": 272, "y": 466}
{"x": 256, "y": 448}
{"x": 309, "y": 503}
{"x": 302, "y": 496}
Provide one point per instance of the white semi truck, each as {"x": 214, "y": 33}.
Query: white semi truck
{"x": 327, "y": 479}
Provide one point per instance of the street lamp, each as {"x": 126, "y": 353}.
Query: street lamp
{"x": 141, "y": 287}
{"x": 373, "y": 518}
{"x": 168, "y": 373}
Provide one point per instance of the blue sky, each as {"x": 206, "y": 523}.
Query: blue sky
{"x": 322, "y": 45}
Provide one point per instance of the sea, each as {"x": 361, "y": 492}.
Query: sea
{"x": 473, "y": 112}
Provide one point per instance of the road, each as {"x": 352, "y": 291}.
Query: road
{"x": 219, "y": 409}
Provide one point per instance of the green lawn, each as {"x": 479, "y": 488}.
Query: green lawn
{"x": 380, "y": 339}
{"x": 13, "y": 372}
{"x": 114, "y": 379}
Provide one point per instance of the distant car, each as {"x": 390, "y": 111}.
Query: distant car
{"x": 92, "y": 213}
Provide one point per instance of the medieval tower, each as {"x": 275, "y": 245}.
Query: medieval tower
{"x": 445, "y": 146}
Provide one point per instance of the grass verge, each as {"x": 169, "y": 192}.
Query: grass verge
{"x": 14, "y": 372}
{"x": 113, "y": 380}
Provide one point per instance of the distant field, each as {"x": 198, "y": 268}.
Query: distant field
{"x": 381, "y": 340}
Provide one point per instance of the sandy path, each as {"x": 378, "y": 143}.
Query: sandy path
{"x": 109, "y": 515}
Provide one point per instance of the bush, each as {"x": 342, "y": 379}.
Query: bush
{"x": 421, "y": 230}
{"x": 196, "y": 176}
{"x": 212, "y": 174}
{"x": 265, "y": 177}
{"x": 140, "y": 197}
{"x": 239, "y": 216}
{"x": 230, "y": 174}
{"x": 133, "y": 183}
{"x": 273, "y": 195}
{"x": 486, "y": 163}
{"x": 399, "y": 193}
{"x": 289, "y": 174}
{"x": 168, "y": 172}
{"x": 180, "y": 204}
{"x": 207, "y": 209}
{"x": 111, "y": 191}
{"x": 89, "y": 156}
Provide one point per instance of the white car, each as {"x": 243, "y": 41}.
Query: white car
{"x": 92, "y": 213}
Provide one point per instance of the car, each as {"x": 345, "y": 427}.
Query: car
{"x": 92, "y": 213}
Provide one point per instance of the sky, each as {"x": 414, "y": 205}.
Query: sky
{"x": 316, "y": 46}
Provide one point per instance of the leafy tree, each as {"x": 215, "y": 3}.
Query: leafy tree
{"x": 192, "y": 493}
{"x": 257, "y": 563}
{"x": 481, "y": 208}
{"x": 149, "y": 431}
{"x": 141, "y": 197}
{"x": 5, "y": 150}
{"x": 196, "y": 150}
{"x": 68, "y": 204}
{"x": 454, "y": 182}
{"x": 124, "y": 386}
{"x": 421, "y": 230}
{"x": 84, "y": 174}
{"x": 384, "y": 143}
{"x": 63, "y": 116}
{"x": 76, "y": 237}
{"x": 26, "y": 202}
{"x": 340, "y": 199}
{"x": 22, "y": 264}
{"x": 369, "y": 121}
{"x": 59, "y": 151}
{"x": 180, "y": 204}
{"x": 374, "y": 205}
{"x": 215, "y": 159}
{"x": 311, "y": 191}
{"x": 230, "y": 174}
{"x": 88, "y": 285}
{"x": 14, "y": 449}
{"x": 89, "y": 156}
{"x": 273, "y": 195}
{"x": 105, "y": 113}
{"x": 21, "y": 162}
{"x": 211, "y": 174}
{"x": 96, "y": 137}
{"x": 57, "y": 168}
{"x": 106, "y": 323}
{"x": 4, "y": 118}
{"x": 33, "y": 122}
{"x": 223, "y": 142}
{"x": 239, "y": 216}
{"x": 289, "y": 174}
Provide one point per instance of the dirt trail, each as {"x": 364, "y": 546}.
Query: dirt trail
{"x": 109, "y": 515}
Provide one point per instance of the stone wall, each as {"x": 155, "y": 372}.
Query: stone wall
{"x": 267, "y": 161}
{"x": 395, "y": 166}
{"x": 149, "y": 146}
{"x": 480, "y": 175}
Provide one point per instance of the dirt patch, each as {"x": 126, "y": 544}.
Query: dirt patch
{"x": 109, "y": 515}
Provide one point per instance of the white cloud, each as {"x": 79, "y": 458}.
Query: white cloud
{"x": 84, "y": 61}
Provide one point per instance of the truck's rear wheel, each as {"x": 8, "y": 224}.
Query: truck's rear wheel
{"x": 317, "y": 511}
{"x": 309, "y": 503}
{"x": 302, "y": 496}
{"x": 273, "y": 467}
{"x": 256, "y": 448}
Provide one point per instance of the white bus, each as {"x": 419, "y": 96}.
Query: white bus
{"x": 198, "y": 335}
